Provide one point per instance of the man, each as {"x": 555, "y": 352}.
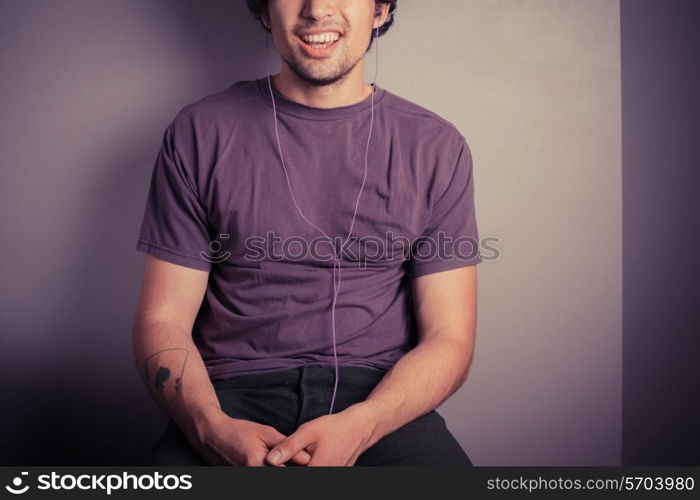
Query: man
{"x": 245, "y": 345}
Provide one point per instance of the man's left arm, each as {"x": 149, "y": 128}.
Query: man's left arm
{"x": 445, "y": 308}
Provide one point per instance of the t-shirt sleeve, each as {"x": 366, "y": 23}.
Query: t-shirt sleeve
{"x": 451, "y": 237}
{"x": 174, "y": 225}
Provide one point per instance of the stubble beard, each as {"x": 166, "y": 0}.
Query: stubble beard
{"x": 306, "y": 71}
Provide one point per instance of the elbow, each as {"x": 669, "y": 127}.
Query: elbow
{"x": 463, "y": 378}
{"x": 465, "y": 367}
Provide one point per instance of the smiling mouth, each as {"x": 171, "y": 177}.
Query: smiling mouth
{"x": 319, "y": 41}
{"x": 319, "y": 47}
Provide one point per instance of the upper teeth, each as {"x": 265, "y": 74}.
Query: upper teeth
{"x": 321, "y": 38}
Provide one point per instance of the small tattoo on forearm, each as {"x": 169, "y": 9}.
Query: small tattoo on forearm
{"x": 161, "y": 377}
{"x": 158, "y": 368}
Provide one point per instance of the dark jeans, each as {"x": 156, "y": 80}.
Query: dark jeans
{"x": 286, "y": 399}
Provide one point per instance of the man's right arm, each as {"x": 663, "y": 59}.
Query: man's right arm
{"x": 174, "y": 372}
{"x": 166, "y": 357}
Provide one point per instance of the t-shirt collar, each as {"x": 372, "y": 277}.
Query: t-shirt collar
{"x": 285, "y": 105}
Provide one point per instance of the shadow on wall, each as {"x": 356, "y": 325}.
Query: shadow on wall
{"x": 79, "y": 399}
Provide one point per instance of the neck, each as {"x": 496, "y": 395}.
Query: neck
{"x": 349, "y": 90}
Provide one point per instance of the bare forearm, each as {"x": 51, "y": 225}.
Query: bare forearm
{"x": 174, "y": 373}
{"x": 418, "y": 383}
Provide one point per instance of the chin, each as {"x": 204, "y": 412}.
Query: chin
{"x": 317, "y": 79}
{"x": 320, "y": 80}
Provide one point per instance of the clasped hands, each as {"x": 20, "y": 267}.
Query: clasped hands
{"x": 329, "y": 440}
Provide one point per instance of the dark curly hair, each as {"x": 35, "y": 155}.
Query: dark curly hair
{"x": 257, "y": 7}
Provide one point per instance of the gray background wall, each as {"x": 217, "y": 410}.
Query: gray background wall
{"x": 534, "y": 85}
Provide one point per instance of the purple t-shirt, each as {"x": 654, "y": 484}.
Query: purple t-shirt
{"x": 219, "y": 201}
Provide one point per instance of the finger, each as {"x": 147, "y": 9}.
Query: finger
{"x": 273, "y": 437}
{"x": 256, "y": 460}
{"x": 302, "y": 458}
{"x": 289, "y": 447}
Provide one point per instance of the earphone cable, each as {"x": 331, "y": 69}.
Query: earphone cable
{"x": 336, "y": 261}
